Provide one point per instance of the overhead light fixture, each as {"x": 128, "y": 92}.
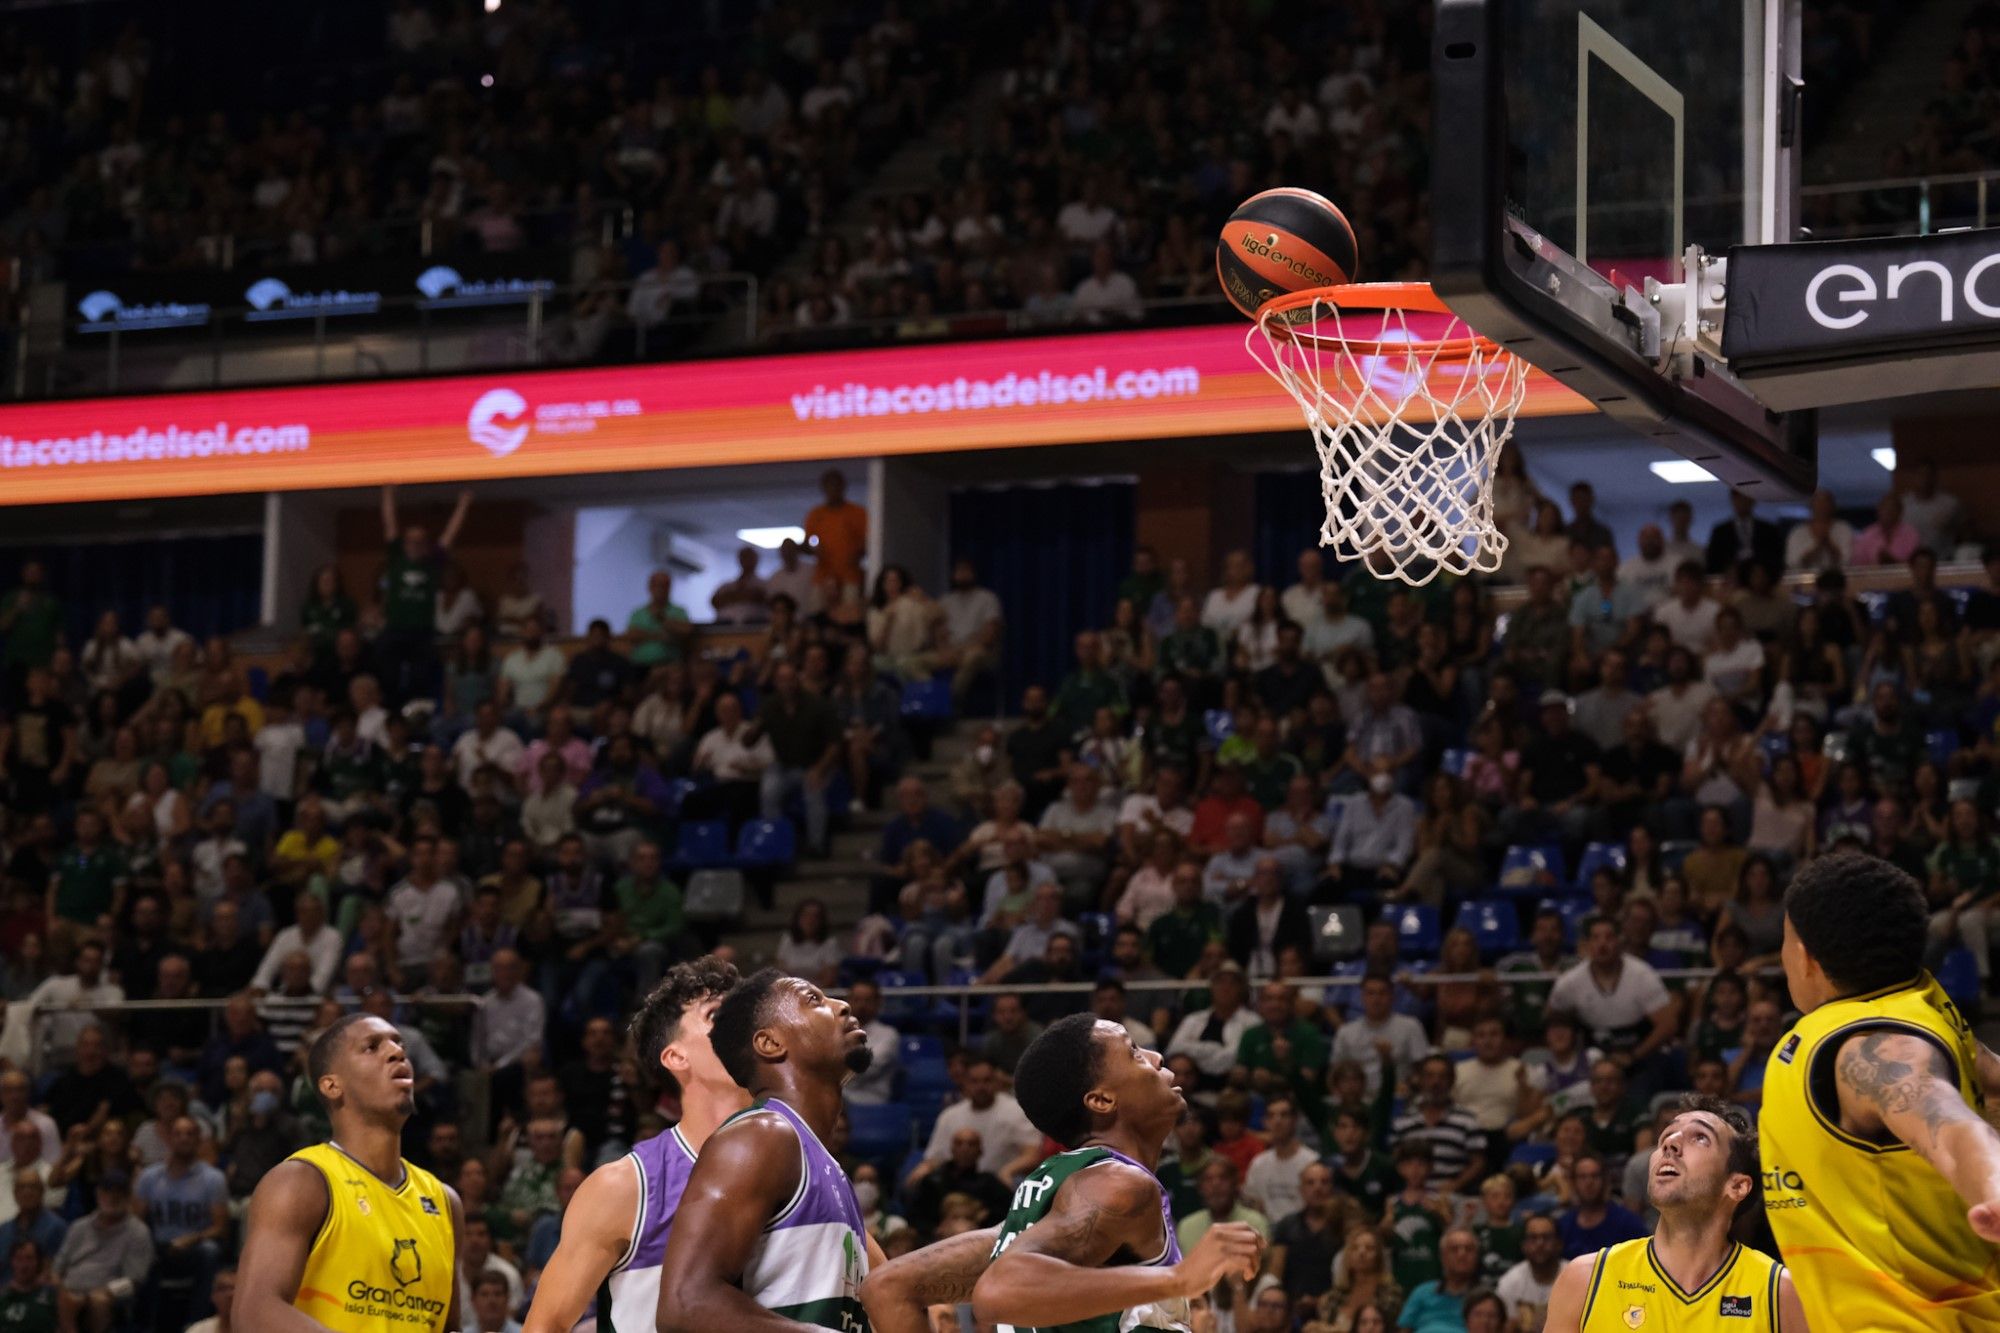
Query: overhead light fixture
{"x": 1886, "y": 456}
{"x": 493, "y": 6}
{"x": 770, "y": 539}
{"x": 486, "y": 80}
{"x": 1680, "y": 472}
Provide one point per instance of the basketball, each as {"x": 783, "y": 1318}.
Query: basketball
{"x": 1283, "y": 240}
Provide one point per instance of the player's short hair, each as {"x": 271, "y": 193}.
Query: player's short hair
{"x": 745, "y": 1009}
{"x": 1742, "y": 1133}
{"x": 1056, "y": 1071}
{"x": 327, "y": 1046}
{"x": 1863, "y": 920}
{"x": 658, "y": 1022}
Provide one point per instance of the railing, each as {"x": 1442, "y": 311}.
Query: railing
{"x": 1900, "y": 205}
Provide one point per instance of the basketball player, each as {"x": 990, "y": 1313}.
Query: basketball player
{"x": 615, "y": 1229}
{"x": 768, "y": 1236}
{"x": 347, "y": 1235}
{"x": 1881, "y": 1178}
{"x": 1088, "y": 1245}
{"x": 1688, "y": 1276}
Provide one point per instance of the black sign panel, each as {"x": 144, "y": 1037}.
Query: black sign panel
{"x": 1797, "y": 304}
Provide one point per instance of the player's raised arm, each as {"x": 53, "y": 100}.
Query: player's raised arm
{"x": 1050, "y": 1275}
{"x": 744, "y": 1176}
{"x": 286, "y": 1212}
{"x": 900, "y": 1294}
{"x": 1567, "y": 1297}
{"x": 1906, "y": 1085}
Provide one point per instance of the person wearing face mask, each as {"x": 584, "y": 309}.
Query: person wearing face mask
{"x": 979, "y": 773}
{"x": 972, "y": 629}
{"x": 1376, "y": 837}
{"x": 881, "y": 1223}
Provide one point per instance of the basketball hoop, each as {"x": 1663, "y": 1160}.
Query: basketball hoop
{"x": 1409, "y": 409}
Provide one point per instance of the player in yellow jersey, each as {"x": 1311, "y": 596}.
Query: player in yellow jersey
{"x": 346, "y": 1235}
{"x": 1688, "y": 1276}
{"x": 1881, "y": 1176}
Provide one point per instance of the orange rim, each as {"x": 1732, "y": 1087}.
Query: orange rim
{"x": 1385, "y": 296}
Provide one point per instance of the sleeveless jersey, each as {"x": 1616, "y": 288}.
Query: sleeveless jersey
{"x": 1033, "y": 1198}
{"x": 809, "y": 1262}
{"x": 629, "y": 1300}
{"x": 1629, "y": 1289}
{"x": 1874, "y": 1236}
{"x": 385, "y": 1257}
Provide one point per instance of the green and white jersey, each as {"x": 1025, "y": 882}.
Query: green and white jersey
{"x": 1034, "y": 1197}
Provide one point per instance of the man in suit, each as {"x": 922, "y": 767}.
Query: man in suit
{"x": 1743, "y": 536}
{"x": 1267, "y": 920}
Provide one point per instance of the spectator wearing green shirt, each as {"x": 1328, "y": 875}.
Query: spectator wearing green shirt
{"x": 412, "y": 570}
{"x": 326, "y": 611}
{"x": 1176, "y": 939}
{"x": 1088, "y": 688}
{"x": 88, "y": 886}
{"x": 1143, "y": 584}
{"x": 1286, "y": 1054}
{"x": 1191, "y": 649}
{"x": 659, "y": 630}
{"x": 27, "y": 1302}
{"x": 651, "y": 905}
{"x": 530, "y": 1191}
{"x": 805, "y": 736}
{"x": 1269, "y": 771}
{"x": 31, "y": 620}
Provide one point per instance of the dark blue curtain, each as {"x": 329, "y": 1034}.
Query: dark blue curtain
{"x": 213, "y": 584}
{"x": 1289, "y": 512}
{"x": 1054, "y": 555}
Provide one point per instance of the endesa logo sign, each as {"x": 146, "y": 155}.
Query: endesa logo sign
{"x": 983, "y": 395}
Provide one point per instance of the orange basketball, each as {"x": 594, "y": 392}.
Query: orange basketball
{"x": 1283, "y": 240}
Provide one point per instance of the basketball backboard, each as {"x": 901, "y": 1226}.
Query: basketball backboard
{"x": 1590, "y": 157}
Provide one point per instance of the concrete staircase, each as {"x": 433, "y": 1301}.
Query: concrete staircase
{"x": 840, "y": 880}
{"x": 1881, "y": 108}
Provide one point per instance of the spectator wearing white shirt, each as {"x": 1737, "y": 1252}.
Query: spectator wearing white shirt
{"x": 310, "y": 935}
{"x": 1226, "y": 877}
{"x": 1735, "y": 665}
{"x": 1210, "y": 1037}
{"x": 1384, "y": 1043}
{"x": 457, "y": 604}
{"x": 371, "y": 719}
{"x": 109, "y": 659}
{"x": 1678, "y": 705}
{"x": 1619, "y": 999}
{"x": 1009, "y": 1145}
{"x": 423, "y": 910}
{"x": 1304, "y": 603}
{"x": 487, "y": 743}
{"x": 1087, "y": 220}
{"x": 509, "y": 1021}
{"x": 1681, "y": 545}
{"x": 1651, "y": 568}
{"x": 1292, "y": 114}
{"x": 1935, "y": 514}
{"x": 64, "y": 1005}
{"x": 1228, "y": 607}
{"x": 1107, "y": 292}
{"x": 669, "y": 287}
{"x": 1823, "y": 541}
{"x": 733, "y": 755}
{"x": 1273, "y": 1178}
{"x": 972, "y": 625}
{"x": 160, "y": 639}
{"x": 1525, "y": 1288}
{"x": 792, "y": 579}
{"x": 877, "y": 1086}
{"x": 15, "y": 1109}
{"x": 1376, "y": 837}
{"x": 1689, "y": 615}
{"x": 530, "y": 675}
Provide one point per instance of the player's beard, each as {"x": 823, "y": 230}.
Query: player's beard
{"x": 858, "y": 1058}
{"x": 406, "y": 1104}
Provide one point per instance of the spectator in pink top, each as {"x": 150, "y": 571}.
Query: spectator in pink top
{"x": 1888, "y": 540}
{"x": 561, "y": 739}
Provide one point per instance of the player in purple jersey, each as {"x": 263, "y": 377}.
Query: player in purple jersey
{"x": 615, "y": 1229}
{"x": 769, "y": 1236}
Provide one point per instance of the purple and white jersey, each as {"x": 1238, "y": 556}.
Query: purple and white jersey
{"x": 629, "y": 1300}
{"x": 808, "y": 1263}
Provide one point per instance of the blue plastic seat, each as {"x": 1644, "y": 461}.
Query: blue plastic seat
{"x": 1337, "y": 930}
{"x": 1493, "y": 922}
{"x": 1417, "y": 934}
{"x": 1532, "y": 1154}
{"x": 878, "y": 1131}
{"x": 677, "y": 792}
{"x": 918, "y": 1049}
{"x": 1958, "y": 974}
{"x": 928, "y": 700}
{"x": 702, "y": 843}
{"x": 1573, "y": 912}
{"x": 1454, "y": 762}
{"x": 1673, "y": 852}
{"x": 1943, "y": 745}
{"x": 1531, "y": 869}
{"x": 767, "y": 842}
{"x": 1219, "y": 724}
{"x": 260, "y": 683}
{"x": 1599, "y": 856}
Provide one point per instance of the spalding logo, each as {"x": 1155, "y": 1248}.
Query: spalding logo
{"x": 495, "y": 422}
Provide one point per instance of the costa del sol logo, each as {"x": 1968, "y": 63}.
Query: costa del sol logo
{"x": 496, "y": 422}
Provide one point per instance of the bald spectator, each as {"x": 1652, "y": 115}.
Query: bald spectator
{"x": 15, "y": 1091}
{"x": 104, "y": 1257}
{"x": 960, "y": 1173}
{"x": 309, "y": 934}
{"x": 1266, "y": 920}
{"x": 93, "y": 1089}
{"x": 23, "y": 1166}
{"x": 1077, "y": 833}
{"x": 1823, "y": 541}
{"x": 1212, "y": 1036}
{"x": 1226, "y": 878}
{"x": 1005, "y": 1136}
{"x": 287, "y": 1009}
{"x": 258, "y": 1141}
{"x": 242, "y": 1035}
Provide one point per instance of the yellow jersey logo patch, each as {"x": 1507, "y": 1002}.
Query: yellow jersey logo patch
{"x": 1635, "y": 1315}
{"x": 406, "y": 1265}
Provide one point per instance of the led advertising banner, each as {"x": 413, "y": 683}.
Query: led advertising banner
{"x": 825, "y": 405}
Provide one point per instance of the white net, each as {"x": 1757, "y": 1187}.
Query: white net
{"x": 1409, "y": 410}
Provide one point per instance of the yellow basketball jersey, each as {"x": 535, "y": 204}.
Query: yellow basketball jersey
{"x": 385, "y": 1258}
{"x": 1875, "y": 1238}
{"x": 1630, "y": 1290}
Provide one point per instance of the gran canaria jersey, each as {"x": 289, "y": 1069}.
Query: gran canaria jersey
{"x": 1629, "y": 1289}
{"x": 1876, "y": 1239}
{"x": 1033, "y": 1198}
{"x": 384, "y": 1260}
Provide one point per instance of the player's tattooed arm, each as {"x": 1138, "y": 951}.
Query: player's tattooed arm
{"x": 1050, "y": 1274}
{"x": 1906, "y": 1085}
{"x": 899, "y": 1294}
